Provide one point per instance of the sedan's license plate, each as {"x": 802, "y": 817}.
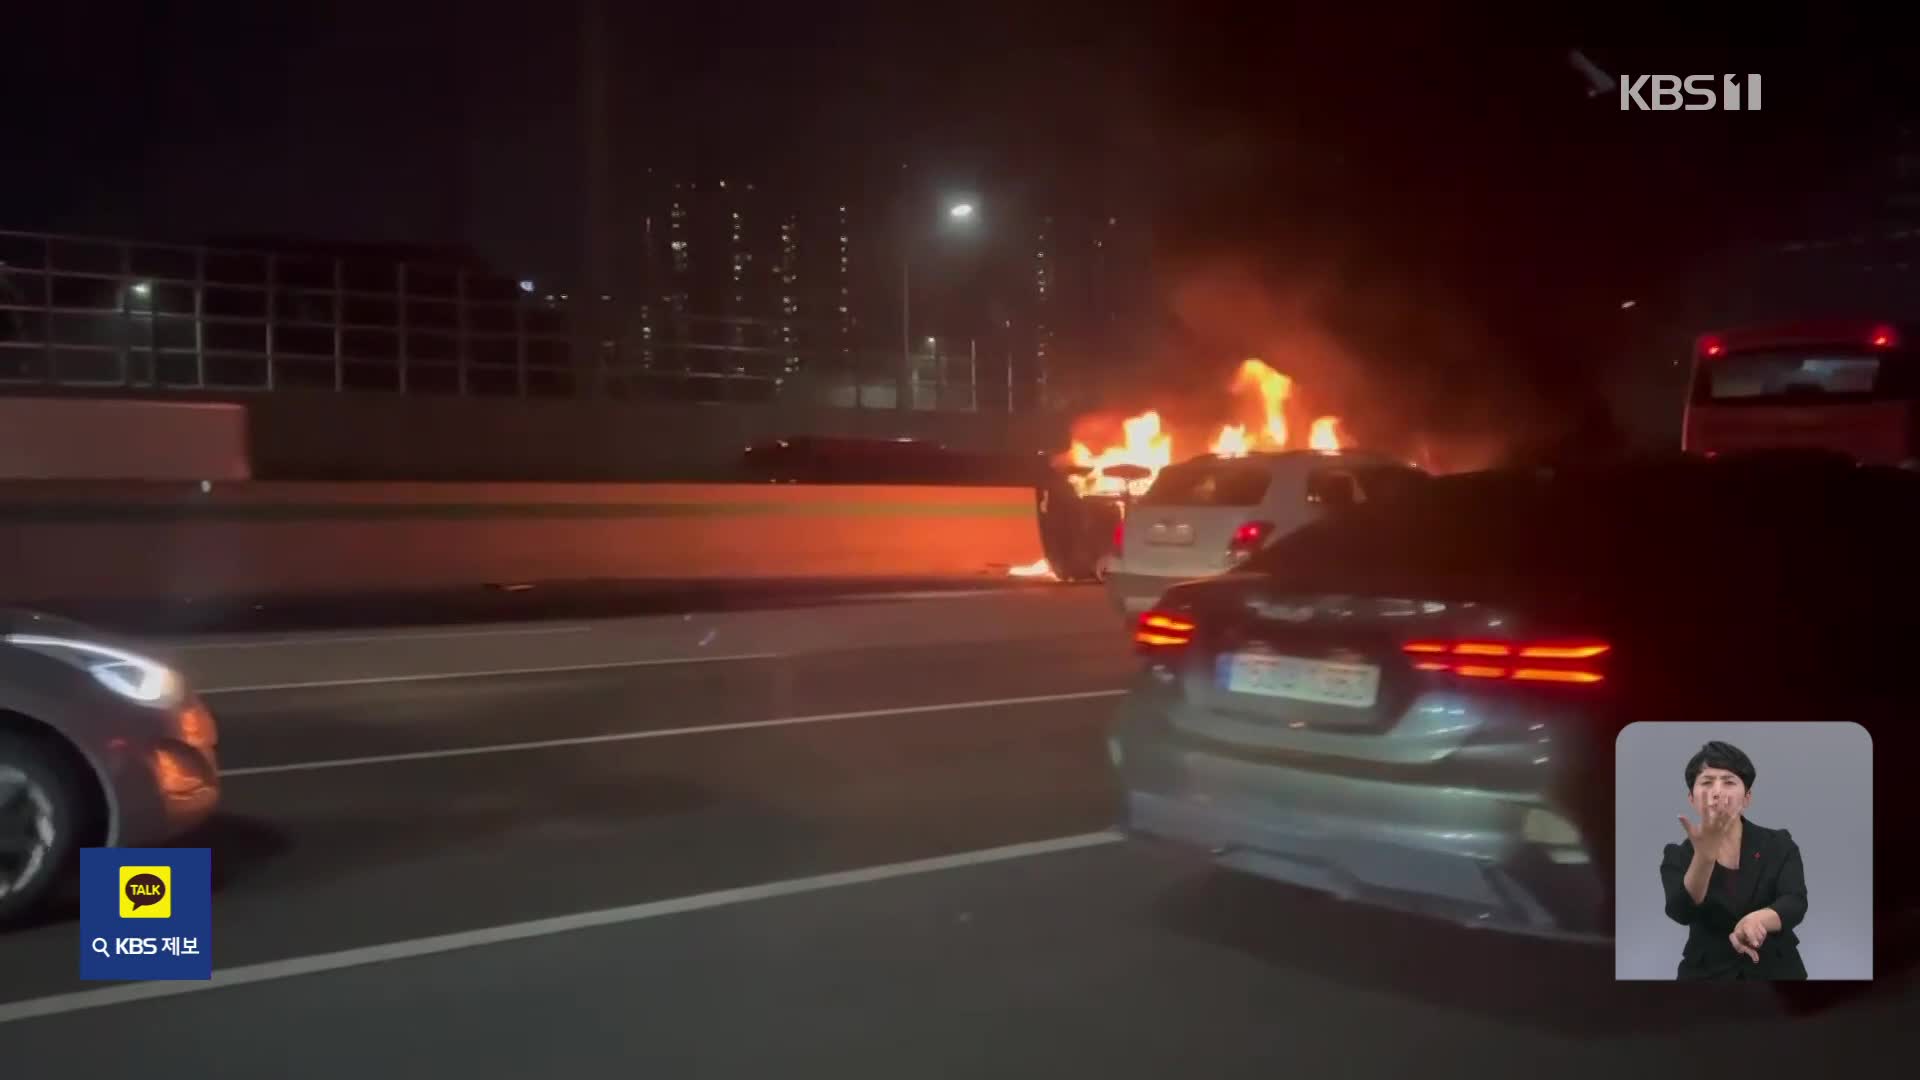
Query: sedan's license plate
{"x": 1325, "y": 682}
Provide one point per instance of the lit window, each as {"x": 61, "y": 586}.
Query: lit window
{"x": 679, "y": 245}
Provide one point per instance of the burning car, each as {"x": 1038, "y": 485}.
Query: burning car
{"x": 1204, "y": 515}
{"x": 1213, "y": 513}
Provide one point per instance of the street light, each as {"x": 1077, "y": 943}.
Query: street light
{"x": 140, "y": 299}
{"x": 963, "y": 213}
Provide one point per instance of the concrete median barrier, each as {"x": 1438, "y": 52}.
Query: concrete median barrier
{"x": 114, "y": 540}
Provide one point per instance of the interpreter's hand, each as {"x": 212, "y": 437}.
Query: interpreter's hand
{"x": 1715, "y": 828}
{"x": 1748, "y": 935}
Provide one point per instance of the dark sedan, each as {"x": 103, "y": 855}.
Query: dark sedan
{"x": 1415, "y": 704}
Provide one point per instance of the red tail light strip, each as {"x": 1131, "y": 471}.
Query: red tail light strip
{"x": 1556, "y": 675}
{"x": 1556, "y": 662}
{"x": 1564, "y": 652}
{"x": 1163, "y": 630}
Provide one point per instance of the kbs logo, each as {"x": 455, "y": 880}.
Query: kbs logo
{"x": 1693, "y": 93}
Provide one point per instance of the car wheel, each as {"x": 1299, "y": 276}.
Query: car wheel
{"x": 38, "y": 823}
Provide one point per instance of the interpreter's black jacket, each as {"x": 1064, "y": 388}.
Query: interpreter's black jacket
{"x": 1770, "y": 876}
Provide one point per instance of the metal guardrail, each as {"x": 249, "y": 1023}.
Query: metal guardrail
{"x": 90, "y": 313}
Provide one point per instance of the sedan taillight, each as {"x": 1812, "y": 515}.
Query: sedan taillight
{"x": 1569, "y": 662}
{"x": 1161, "y": 631}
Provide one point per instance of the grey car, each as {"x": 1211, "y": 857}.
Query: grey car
{"x": 99, "y": 745}
{"x": 1414, "y": 704}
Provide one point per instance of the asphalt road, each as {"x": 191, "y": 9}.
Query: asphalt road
{"x": 859, "y": 838}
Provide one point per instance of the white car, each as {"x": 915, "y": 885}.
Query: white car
{"x": 1208, "y": 515}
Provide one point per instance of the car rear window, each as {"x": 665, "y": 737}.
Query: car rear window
{"x": 1798, "y": 375}
{"x": 1210, "y": 483}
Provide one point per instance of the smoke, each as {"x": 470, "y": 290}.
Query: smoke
{"x": 1402, "y": 364}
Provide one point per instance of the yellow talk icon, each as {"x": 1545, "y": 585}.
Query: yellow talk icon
{"x": 146, "y": 892}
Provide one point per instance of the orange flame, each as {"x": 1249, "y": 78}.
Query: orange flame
{"x": 1036, "y": 569}
{"x": 1231, "y": 442}
{"x": 1274, "y": 389}
{"x": 1326, "y": 434}
{"x": 1142, "y": 443}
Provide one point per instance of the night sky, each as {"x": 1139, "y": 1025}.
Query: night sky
{"x": 1417, "y": 166}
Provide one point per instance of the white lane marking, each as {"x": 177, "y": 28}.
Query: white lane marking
{"x": 295, "y": 967}
{"x": 398, "y": 635}
{"x": 487, "y": 673}
{"x": 659, "y": 733}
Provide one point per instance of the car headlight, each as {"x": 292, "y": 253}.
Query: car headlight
{"x": 130, "y": 675}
